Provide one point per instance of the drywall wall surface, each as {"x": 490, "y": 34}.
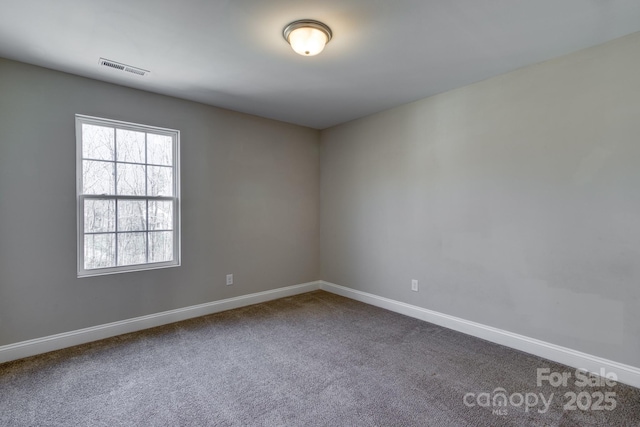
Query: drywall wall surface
{"x": 249, "y": 205}
{"x": 515, "y": 202}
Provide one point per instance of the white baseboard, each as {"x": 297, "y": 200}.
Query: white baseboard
{"x": 625, "y": 373}
{"x": 94, "y": 333}
{"x": 566, "y": 356}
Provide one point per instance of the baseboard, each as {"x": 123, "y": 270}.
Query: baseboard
{"x": 94, "y": 333}
{"x": 626, "y": 374}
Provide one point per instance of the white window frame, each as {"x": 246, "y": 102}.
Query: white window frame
{"x": 80, "y": 197}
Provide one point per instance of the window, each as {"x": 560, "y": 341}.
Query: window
{"x": 127, "y": 195}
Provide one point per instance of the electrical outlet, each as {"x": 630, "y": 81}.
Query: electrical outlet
{"x": 229, "y": 279}
{"x": 414, "y": 285}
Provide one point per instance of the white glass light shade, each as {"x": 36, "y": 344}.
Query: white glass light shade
{"x": 307, "y": 37}
{"x": 307, "y": 41}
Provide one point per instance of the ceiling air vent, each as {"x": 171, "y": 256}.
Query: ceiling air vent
{"x": 122, "y": 67}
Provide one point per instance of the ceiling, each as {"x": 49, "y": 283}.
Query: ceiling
{"x": 231, "y": 54}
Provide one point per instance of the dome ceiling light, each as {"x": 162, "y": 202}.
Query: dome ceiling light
{"x": 307, "y": 37}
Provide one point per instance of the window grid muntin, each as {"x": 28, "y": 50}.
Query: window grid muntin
{"x": 115, "y": 190}
{"x": 174, "y": 138}
{"x": 146, "y": 192}
{"x": 128, "y": 163}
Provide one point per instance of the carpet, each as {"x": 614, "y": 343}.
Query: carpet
{"x": 315, "y": 359}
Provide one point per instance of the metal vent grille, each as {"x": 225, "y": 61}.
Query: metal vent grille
{"x": 122, "y": 67}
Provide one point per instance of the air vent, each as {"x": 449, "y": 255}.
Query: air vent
{"x": 122, "y": 67}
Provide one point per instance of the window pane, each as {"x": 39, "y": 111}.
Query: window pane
{"x": 160, "y": 215}
{"x": 159, "y": 149}
{"x": 160, "y": 181}
{"x": 130, "y": 146}
{"x": 160, "y": 246}
{"x": 132, "y": 248}
{"x": 99, "y": 250}
{"x": 99, "y": 216}
{"x": 130, "y": 180}
{"x": 127, "y": 186}
{"x": 97, "y": 142}
{"x": 132, "y": 215}
{"x": 97, "y": 177}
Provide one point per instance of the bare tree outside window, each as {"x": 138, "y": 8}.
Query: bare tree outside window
{"x": 127, "y": 196}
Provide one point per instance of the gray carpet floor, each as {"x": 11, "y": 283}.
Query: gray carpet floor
{"x": 315, "y": 359}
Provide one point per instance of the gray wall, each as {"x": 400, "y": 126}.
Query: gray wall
{"x": 250, "y": 191}
{"x": 514, "y": 201}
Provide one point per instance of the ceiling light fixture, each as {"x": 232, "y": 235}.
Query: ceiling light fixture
{"x": 307, "y": 37}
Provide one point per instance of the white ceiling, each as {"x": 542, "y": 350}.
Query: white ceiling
{"x": 231, "y": 54}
